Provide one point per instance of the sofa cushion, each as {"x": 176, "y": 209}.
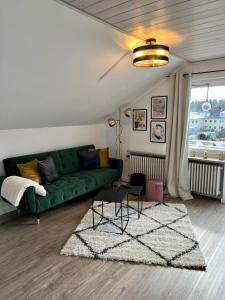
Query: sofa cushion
{"x": 72, "y": 185}
{"x": 62, "y": 190}
{"x": 97, "y": 178}
{"x": 66, "y": 160}
{"x": 48, "y": 170}
{"x": 89, "y": 160}
{"x": 30, "y": 171}
{"x": 103, "y": 156}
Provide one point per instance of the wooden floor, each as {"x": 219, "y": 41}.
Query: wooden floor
{"x": 31, "y": 267}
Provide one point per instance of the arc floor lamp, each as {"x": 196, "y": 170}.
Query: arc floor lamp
{"x": 112, "y": 122}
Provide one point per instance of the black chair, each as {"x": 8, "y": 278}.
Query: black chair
{"x": 136, "y": 187}
{"x": 138, "y": 179}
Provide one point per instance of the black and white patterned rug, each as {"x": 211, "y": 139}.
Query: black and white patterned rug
{"x": 163, "y": 235}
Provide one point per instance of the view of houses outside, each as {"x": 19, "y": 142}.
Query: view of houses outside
{"x": 207, "y": 117}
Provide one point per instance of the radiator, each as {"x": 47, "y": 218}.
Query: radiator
{"x": 153, "y": 166}
{"x": 206, "y": 177}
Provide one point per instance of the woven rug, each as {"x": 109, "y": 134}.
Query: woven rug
{"x": 163, "y": 235}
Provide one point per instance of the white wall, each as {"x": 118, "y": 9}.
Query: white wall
{"x": 52, "y": 58}
{"x": 139, "y": 140}
{"x": 134, "y": 140}
{"x": 206, "y": 65}
{"x": 26, "y": 141}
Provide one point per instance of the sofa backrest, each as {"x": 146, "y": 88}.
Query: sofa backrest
{"x": 66, "y": 160}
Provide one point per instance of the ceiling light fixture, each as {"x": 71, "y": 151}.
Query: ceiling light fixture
{"x": 151, "y": 54}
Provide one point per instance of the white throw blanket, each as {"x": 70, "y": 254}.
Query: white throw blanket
{"x": 13, "y": 188}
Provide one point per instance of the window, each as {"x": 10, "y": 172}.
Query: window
{"x": 207, "y": 122}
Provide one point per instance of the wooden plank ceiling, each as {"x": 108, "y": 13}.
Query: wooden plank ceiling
{"x": 193, "y": 29}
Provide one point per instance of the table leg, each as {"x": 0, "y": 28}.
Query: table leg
{"x": 121, "y": 207}
{"x": 128, "y": 216}
{"x": 93, "y": 216}
{"x": 102, "y": 210}
{"x": 138, "y": 208}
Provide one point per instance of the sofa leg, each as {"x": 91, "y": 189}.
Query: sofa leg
{"x": 38, "y": 218}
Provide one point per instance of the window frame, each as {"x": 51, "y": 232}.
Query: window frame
{"x": 213, "y": 152}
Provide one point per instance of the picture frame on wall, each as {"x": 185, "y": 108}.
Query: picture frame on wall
{"x": 139, "y": 119}
{"x": 159, "y": 107}
{"x": 158, "y": 131}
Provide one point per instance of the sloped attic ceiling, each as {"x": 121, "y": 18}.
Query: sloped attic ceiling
{"x": 193, "y": 29}
{"x": 52, "y": 58}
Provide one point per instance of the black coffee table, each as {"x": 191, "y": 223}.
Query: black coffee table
{"x": 136, "y": 191}
{"x": 116, "y": 197}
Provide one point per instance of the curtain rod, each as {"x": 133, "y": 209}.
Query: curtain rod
{"x": 203, "y": 72}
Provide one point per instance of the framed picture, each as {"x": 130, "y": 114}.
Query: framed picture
{"x": 159, "y": 107}
{"x": 140, "y": 119}
{"x": 158, "y": 131}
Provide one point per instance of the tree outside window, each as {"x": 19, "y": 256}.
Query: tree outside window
{"x": 201, "y": 135}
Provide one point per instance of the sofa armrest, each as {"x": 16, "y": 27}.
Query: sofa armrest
{"x": 28, "y": 202}
{"x": 116, "y": 164}
{"x": 2, "y": 178}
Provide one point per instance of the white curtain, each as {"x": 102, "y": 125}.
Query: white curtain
{"x": 178, "y": 182}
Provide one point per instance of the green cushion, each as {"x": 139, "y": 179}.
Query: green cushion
{"x": 97, "y": 178}
{"x": 73, "y": 185}
{"x": 66, "y": 161}
{"x": 62, "y": 190}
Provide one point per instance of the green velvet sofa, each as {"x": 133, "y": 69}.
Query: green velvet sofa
{"x": 72, "y": 183}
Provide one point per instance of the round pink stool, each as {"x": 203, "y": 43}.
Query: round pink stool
{"x": 154, "y": 190}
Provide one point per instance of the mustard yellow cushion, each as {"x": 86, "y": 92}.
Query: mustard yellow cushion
{"x": 29, "y": 170}
{"x": 103, "y": 156}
